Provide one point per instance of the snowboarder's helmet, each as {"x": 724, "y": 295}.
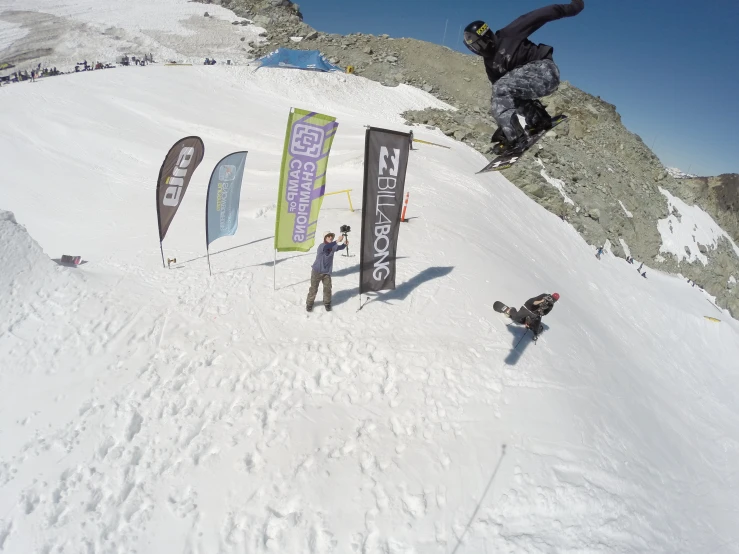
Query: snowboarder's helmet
{"x": 555, "y": 296}
{"x": 478, "y": 37}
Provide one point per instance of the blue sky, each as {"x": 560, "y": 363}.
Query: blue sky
{"x": 670, "y": 66}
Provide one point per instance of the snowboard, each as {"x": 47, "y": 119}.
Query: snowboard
{"x": 508, "y": 159}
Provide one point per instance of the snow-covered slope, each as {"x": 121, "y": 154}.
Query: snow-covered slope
{"x": 63, "y": 32}
{"x": 687, "y": 229}
{"x": 153, "y": 410}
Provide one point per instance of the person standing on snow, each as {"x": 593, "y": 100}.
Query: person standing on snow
{"x": 322, "y": 269}
{"x": 520, "y": 71}
{"x": 533, "y": 310}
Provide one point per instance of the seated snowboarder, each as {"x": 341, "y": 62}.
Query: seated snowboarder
{"x": 533, "y": 310}
{"x": 520, "y": 71}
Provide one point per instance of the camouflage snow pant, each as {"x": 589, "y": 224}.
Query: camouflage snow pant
{"x": 513, "y": 91}
{"x": 315, "y": 280}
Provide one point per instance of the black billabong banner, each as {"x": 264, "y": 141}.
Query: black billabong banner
{"x": 174, "y": 176}
{"x": 385, "y": 163}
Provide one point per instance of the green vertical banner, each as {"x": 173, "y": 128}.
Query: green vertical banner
{"x": 302, "y": 179}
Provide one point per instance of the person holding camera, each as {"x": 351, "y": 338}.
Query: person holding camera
{"x": 533, "y": 310}
{"x": 322, "y": 269}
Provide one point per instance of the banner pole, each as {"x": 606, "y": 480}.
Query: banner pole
{"x": 207, "y": 253}
{"x": 161, "y": 248}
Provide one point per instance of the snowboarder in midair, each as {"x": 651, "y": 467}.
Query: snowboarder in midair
{"x": 520, "y": 71}
{"x": 533, "y": 310}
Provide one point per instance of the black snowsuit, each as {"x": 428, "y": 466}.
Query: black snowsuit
{"x": 535, "y": 313}
{"x": 521, "y": 71}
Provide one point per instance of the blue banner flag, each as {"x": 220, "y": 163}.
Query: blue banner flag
{"x": 224, "y": 191}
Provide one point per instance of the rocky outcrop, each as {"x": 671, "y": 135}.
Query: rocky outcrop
{"x": 719, "y": 196}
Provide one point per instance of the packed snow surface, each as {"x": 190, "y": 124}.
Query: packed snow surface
{"x": 627, "y": 212}
{"x": 64, "y": 32}
{"x": 157, "y": 410}
{"x": 625, "y": 246}
{"x": 9, "y": 33}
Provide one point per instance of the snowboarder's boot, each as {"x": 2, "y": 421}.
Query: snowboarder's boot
{"x": 537, "y": 117}
{"x": 500, "y": 143}
{"x": 309, "y": 308}
{"x": 328, "y": 307}
{"x": 504, "y": 147}
{"x": 498, "y": 135}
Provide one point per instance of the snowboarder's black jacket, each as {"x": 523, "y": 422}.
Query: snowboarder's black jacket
{"x": 512, "y": 46}
{"x": 529, "y": 305}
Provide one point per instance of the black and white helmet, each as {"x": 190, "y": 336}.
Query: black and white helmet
{"x": 478, "y": 37}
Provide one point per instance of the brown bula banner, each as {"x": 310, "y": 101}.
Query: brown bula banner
{"x": 385, "y": 163}
{"x": 174, "y": 176}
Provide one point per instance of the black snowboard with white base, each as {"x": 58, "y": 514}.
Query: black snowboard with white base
{"x": 507, "y": 159}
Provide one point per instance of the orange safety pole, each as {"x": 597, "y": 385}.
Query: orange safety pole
{"x": 405, "y": 207}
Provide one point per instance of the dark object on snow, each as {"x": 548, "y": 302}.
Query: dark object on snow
{"x": 531, "y": 312}
{"x": 72, "y": 260}
{"x": 532, "y": 322}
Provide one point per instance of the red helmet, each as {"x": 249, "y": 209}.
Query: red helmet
{"x": 555, "y": 296}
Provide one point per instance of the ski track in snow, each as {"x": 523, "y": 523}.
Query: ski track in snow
{"x": 157, "y": 410}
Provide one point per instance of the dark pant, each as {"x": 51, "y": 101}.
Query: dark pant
{"x": 519, "y": 316}
{"x": 315, "y": 279}
{"x": 513, "y": 92}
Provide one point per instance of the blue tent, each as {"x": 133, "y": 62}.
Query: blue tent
{"x": 297, "y": 59}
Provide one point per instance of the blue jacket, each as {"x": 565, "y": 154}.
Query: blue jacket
{"x": 325, "y": 257}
